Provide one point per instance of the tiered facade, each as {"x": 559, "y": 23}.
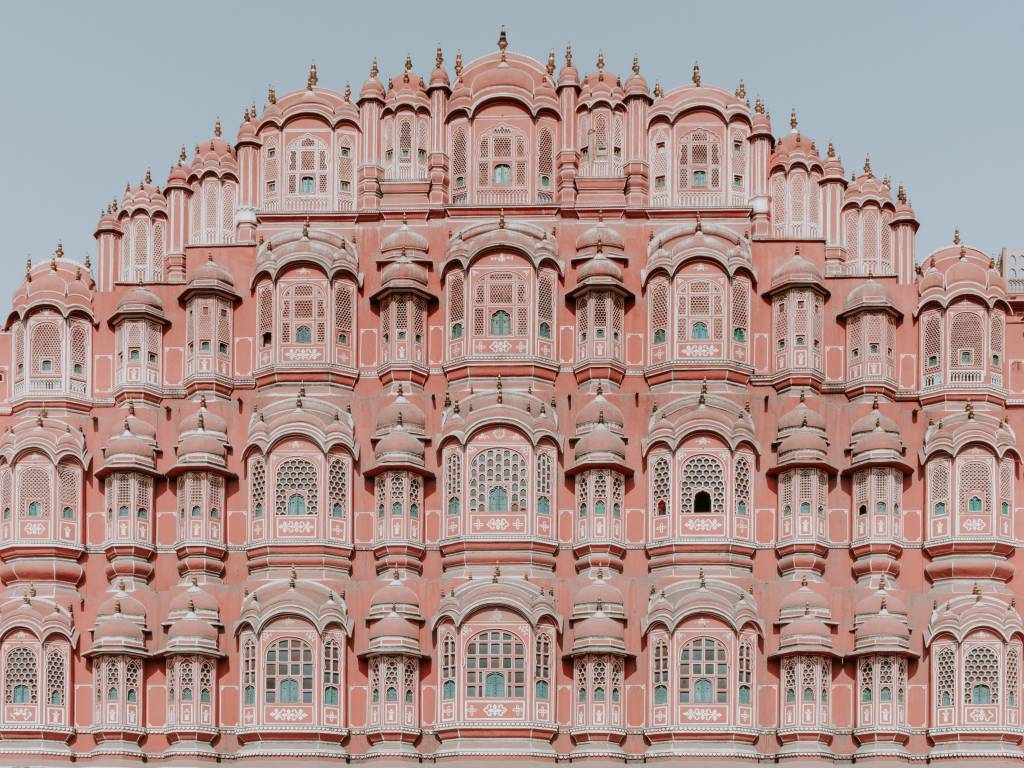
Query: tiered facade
{"x": 511, "y": 412}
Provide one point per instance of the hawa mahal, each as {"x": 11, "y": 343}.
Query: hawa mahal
{"x": 514, "y": 410}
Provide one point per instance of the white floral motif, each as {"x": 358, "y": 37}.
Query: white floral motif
{"x": 288, "y": 714}
{"x": 495, "y": 710}
{"x": 702, "y": 524}
{"x": 702, "y": 715}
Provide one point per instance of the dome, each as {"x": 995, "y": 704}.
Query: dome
{"x": 404, "y": 272}
{"x": 599, "y": 237}
{"x": 399, "y": 444}
{"x": 372, "y": 88}
{"x": 140, "y": 297}
{"x": 118, "y": 632}
{"x": 203, "y": 418}
{"x": 394, "y": 625}
{"x": 591, "y": 413}
{"x": 394, "y": 594}
{"x": 802, "y": 440}
{"x": 872, "y": 419}
{"x": 807, "y": 634}
{"x": 801, "y": 416}
{"x": 404, "y": 239}
{"x": 599, "y": 269}
{"x": 795, "y": 149}
{"x": 598, "y": 595}
{"x": 401, "y": 411}
{"x": 599, "y": 627}
{"x": 807, "y": 599}
{"x": 797, "y": 270}
{"x": 128, "y": 445}
{"x": 600, "y": 442}
{"x": 636, "y": 84}
{"x": 211, "y": 271}
{"x": 869, "y": 294}
{"x": 194, "y": 629}
{"x": 201, "y": 443}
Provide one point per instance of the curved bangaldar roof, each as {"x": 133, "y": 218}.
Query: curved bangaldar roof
{"x": 58, "y": 284}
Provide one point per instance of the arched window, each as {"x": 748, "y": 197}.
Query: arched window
{"x": 288, "y": 676}
{"x": 20, "y": 676}
{"x": 497, "y": 500}
{"x": 659, "y": 673}
{"x": 448, "y": 668}
{"x": 703, "y": 673}
{"x": 303, "y": 335}
{"x": 308, "y": 166}
{"x": 497, "y": 481}
{"x": 296, "y": 504}
{"x": 495, "y": 666}
{"x": 703, "y": 485}
{"x": 981, "y": 676}
{"x": 297, "y": 488}
{"x": 974, "y": 505}
{"x": 503, "y": 161}
{"x": 332, "y": 672}
{"x": 699, "y": 331}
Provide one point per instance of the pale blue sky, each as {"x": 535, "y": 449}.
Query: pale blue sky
{"x": 96, "y": 92}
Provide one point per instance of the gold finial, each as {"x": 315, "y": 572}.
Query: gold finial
{"x": 636, "y": 64}
{"x": 901, "y": 194}
{"x": 149, "y": 176}
{"x": 658, "y": 92}
{"x": 374, "y": 70}
{"x": 696, "y": 74}
{"x": 182, "y": 155}
{"x": 600, "y": 60}
{"x": 216, "y": 128}
{"x": 792, "y": 119}
{"x": 458, "y": 63}
{"x": 551, "y": 62}
{"x": 408, "y": 63}
{"x": 741, "y": 90}
{"x": 568, "y": 54}
{"x": 271, "y": 94}
{"x": 867, "y": 165}
{"x": 28, "y": 267}
{"x": 348, "y": 91}
{"x": 438, "y": 58}
{"x": 311, "y": 80}
{"x": 502, "y": 42}
{"x": 59, "y": 253}
{"x": 759, "y": 105}
{"x": 956, "y": 236}
{"x": 831, "y": 150}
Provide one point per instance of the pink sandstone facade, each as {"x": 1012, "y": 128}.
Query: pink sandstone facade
{"x": 512, "y": 411}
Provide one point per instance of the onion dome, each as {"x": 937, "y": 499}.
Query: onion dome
{"x": 794, "y": 149}
{"x": 883, "y": 632}
{"x": 203, "y": 418}
{"x": 601, "y": 237}
{"x": 59, "y": 284}
{"x": 146, "y": 198}
{"x": 132, "y": 448}
{"x": 600, "y": 448}
{"x": 599, "y": 406}
{"x": 407, "y": 89}
{"x": 800, "y": 416}
{"x": 317, "y": 420}
{"x": 192, "y": 634}
{"x": 400, "y": 411}
{"x": 399, "y": 449}
{"x": 180, "y": 171}
{"x": 868, "y": 187}
{"x": 599, "y": 270}
{"x": 870, "y": 295}
{"x": 247, "y": 130}
{"x": 215, "y": 157}
{"x": 210, "y": 278}
{"x": 404, "y": 273}
{"x": 599, "y": 633}
{"x": 439, "y": 75}
{"x": 568, "y": 74}
{"x": 395, "y": 596}
{"x": 405, "y": 239}
{"x": 598, "y": 595}
{"x": 761, "y": 121}
{"x": 58, "y": 438}
{"x": 139, "y": 302}
{"x": 797, "y": 271}
{"x": 636, "y": 84}
{"x": 904, "y": 211}
{"x": 809, "y": 599}
{"x": 875, "y": 441}
{"x": 202, "y": 443}
{"x": 372, "y": 88}
{"x": 802, "y": 445}
{"x": 871, "y": 603}
{"x": 194, "y": 599}
{"x": 601, "y": 86}
{"x": 534, "y": 415}
{"x": 806, "y": 634}
{"x": 957, "y": 271}
{"x": 108, "y": 222}
{"x": 25, "y": 609}
{"x": 120, "y": 626}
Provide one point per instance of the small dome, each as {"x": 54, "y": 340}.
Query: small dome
{"x": 636, "y": 84}
{"x": 880, "y": 627}
{"x": 805, "y": 628}
{"x": 802, "y": 440}
{"x": 404, "y": 238}
{"x": 807, "y": 599}
{"x": 404, "y": 272}
{"x": 599, "y": 593}
{"x": 600, "y": 442}
{"x": 797, "y": 270}
{"x": 211, "y": 271}
{"x": 599, "y": 627}
{"x": 599, "y": 269}
{"x": 398, "y": 444}
{"x": 204, "y": 419}
{"x": 401, "y": 411}
{"x": 130, "y": 444}
{"x": 869, "y": 294}
{"x": 118, "y": 632}
{"x": 590, "y": 414}
{"x": 140, "y": 297}
{"x": 872, "y": 419}
{"x": 600, "y": 236}
{"x": 202, "y": 443}
{"x": 802, "y": 415}
{"x": 372, "y": 88}
{"x": 395, "y": 593}
{"x": 394, "y": 625}
{"x": 192, "y": 628}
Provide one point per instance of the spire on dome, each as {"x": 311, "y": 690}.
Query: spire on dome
{"x": 458, "y": 63}
{"x": 759, "y": 105}
{"x": 408, "y": 62}
{"x": 696, "y": 74}
{"x": 901, "y": 194}
{"x": 831, "y": 150}
{"x": 600, "y": 61}
{"x": 568, "y": 54}
{"x": 956, "y": 236}
{"x": 312, "y": 79}
{"x": 658, "y": 92}
{"x": 741, "y": 90}
{"x": 551, "y": 62}
{"x": 182, "y": 155}
{"x": 792, "y": 119}
{"x": 59, "y": 253}
{"x": 216, "y": 132}
{"x": 438, "y": 58}
{"x": 271, "y": 94}
{"x": 502, "y": 42}
{"x": 374, "y": 69}
{"x": 867, "y": 165}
